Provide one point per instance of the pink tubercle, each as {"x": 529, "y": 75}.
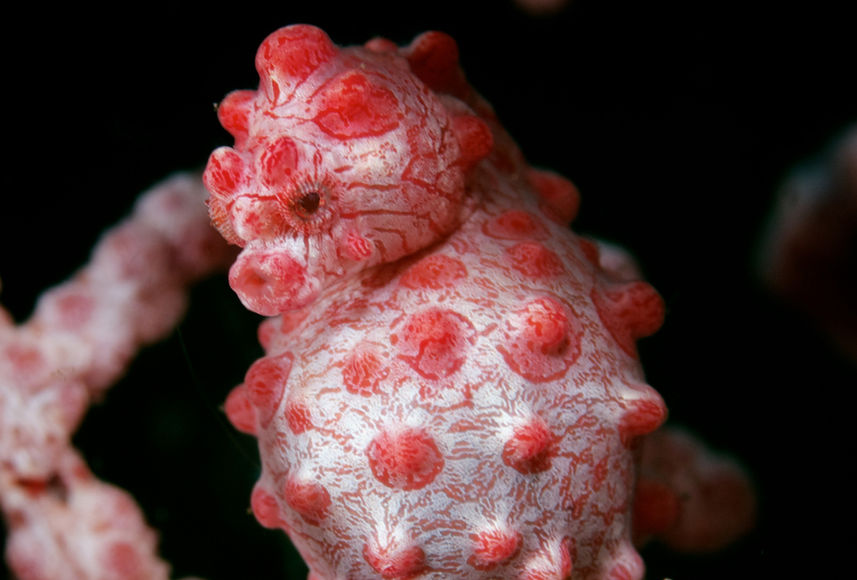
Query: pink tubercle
{"x": 395, "y": 562}
{"x": 289, "y": 56}
{"x": 240, "y": 411}
{"x": 265, "y": 507}
{"x": 265, "y": 382}
{"x": 630, "y": 311}
{"x": 435, "y": 341}
{"x": 542, "y": 339}
{"x": 530, "y": 448}
{"x": 494, "y": 547}
{"x": 310, "y": 499}
{"x": 405, "y": 458}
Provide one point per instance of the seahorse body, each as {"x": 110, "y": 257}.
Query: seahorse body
{"x": 450, "y": 387}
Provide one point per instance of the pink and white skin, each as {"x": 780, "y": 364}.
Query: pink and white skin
{"x": 450, "y": 386}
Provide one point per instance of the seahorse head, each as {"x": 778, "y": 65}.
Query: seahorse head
{"x": 344, "y": 158}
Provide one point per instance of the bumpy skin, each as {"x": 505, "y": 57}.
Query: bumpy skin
{"x": 451, "y": 387}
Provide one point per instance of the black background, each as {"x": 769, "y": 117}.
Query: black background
{"x": 678, "y": 122}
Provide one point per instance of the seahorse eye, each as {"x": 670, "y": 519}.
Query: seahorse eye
{"x": 309, "y": 207}
{"x": 308, "y": 203}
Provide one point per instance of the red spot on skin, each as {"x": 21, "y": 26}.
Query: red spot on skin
{"x": 298, "y": 417}
{"x": 629, "y": 311}
{"x": 546, "y": 326}
{"x": 240, "y": 411}
{"x": 352, "y": 106}
{"x": 278, "y": 163}
{"x": 122, "y": 560}
{"x": 264, "y": 383}
{"x": 405, "y": 458}
{"x": 560, "y": 199}
{"x": 434, "y": 342}
{"x": 542, "y": 340}
{"x": 233, "y": 112}
{"x": 515, "y": 224}
{"x": 434, "y": 272}
{"x": 265, "y": 508}
{"x": 395, "y": 562}
{"x": 310, "y": 499}
{"x": 530, "y": 448}
{"x": 25, "y": 359}
{"x": 223, "y": 172}
{"x": 492, "y": 548}
{"x": 363, "y": 372}
{"x": 534, "y": 260}
{"x": 75, "y": 309}
{"x": 289, "y": 56}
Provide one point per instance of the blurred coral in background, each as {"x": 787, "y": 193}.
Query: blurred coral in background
{"x": 809, "y": 257}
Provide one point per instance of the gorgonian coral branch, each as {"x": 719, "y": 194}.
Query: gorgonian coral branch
{"x": 63, "y": 522}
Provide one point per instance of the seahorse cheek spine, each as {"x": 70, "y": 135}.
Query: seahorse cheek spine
{"x": 450, "y": 387}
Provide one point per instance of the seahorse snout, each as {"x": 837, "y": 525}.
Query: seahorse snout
{"x": 270, "y": 282}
